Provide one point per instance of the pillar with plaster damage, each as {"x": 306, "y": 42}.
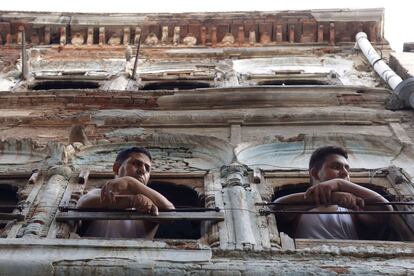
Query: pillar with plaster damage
{"x": 62, "y": 39}
{"x": 102, "y": 39}
{"x": 214, "y": 198}
{"x": 176, "y": 36}
{"x": 240, "y": 213}
{"x": 47, "y": 203}
{"x": 89, "y": 39}
{"x": 164, "y": 35}
{"x": 127, "y": 36}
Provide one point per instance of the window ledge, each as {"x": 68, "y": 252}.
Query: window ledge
{"x": 52, "y": 250}
{"x": 360, "y": 248}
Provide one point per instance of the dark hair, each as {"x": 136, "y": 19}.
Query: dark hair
{"x": 319, "y": 155}
{"x": 124, "y": 154}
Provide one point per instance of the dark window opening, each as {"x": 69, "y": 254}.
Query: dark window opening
{"x": 392, "y": 231}
{"x": 55, "y": 36}
{"x": 8, "y": 199}
{"x": 172, "y": 85}
{"x": 287, "y": 190}
{"x": 290, "y": 189}
{"x": 180, "y": 196}
{"x": 294, "y": 82}
{"x": 48, "y": 85}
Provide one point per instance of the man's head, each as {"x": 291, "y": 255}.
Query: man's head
{"x": 328, "y": 163}
{"x": 135, "y": 162}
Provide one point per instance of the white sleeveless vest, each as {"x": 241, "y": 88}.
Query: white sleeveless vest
{"x": 326, "y": 226}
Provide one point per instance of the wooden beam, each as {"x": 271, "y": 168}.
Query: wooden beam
{"x": 122, "y": 215}
{"x": 134, "y": 71}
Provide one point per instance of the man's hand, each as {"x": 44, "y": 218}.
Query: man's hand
{"x": 144, "y": 205}
{"x": 114, "y": 187}
{"x": 321, "y": 193}
{"x": 347, "y": 200}
{"x": 129, "y": 186}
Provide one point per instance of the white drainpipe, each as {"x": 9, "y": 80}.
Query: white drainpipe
{"x": 403, "y": 91}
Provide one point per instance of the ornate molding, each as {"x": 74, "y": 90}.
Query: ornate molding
{"x": 235, "y": 174}
{"x": 192, "y": 29}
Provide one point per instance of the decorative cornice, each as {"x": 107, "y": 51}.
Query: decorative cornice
{"x": 192, "y": 29}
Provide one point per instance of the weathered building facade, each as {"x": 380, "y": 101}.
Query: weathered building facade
{"x": 230, "y": 104}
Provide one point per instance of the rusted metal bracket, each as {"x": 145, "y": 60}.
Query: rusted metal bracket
{"x": 264, "y": 212}
{"x": 134, "y": 72}
{"x": 312, "y": 204}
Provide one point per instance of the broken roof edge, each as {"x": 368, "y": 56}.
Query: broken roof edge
{"x": 365, "y": 11}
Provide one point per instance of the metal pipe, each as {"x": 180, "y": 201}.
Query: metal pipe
{"x": 134, "y": 72}
{"x": 403, "y": 91}
{"x": 178, "y": 209}
{"x": 268, "y": 212}
{"x": 313, "y": 204}
{"x": 25, "y": 63}
{"x": 383, "y": 70}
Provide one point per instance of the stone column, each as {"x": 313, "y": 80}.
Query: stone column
{"x": 332, "y": 34}
{"x": 47, "y": 35}
{"x": 102, "y": 38}
{"x": 252, "y": 38}
{"x": 176, "y": 36}
{"x": 240, "y": 212}
{"x": 266, "y": 224}
{"x": 320, "y": 33}
{"x": 279, "y": 33}
{"x": 203, "y": 36}
{"x": 213, "y": 198}
{"x": 164, "y": 36}
{"x": 89, "y": 39}
{"x": 47, "y": 203}
{"x": 62, "y": 39}
{"x": 213, "y": 37}
{"x": 127, "y": 36}
{"x": 240, "y": 35}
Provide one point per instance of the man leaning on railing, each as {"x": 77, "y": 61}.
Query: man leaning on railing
{"x": 127, "y": 190}
{"x": 334, "y": 196}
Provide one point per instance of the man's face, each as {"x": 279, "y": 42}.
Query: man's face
{"x": 335, "y": 166}
{"x": 137, "y": 165}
